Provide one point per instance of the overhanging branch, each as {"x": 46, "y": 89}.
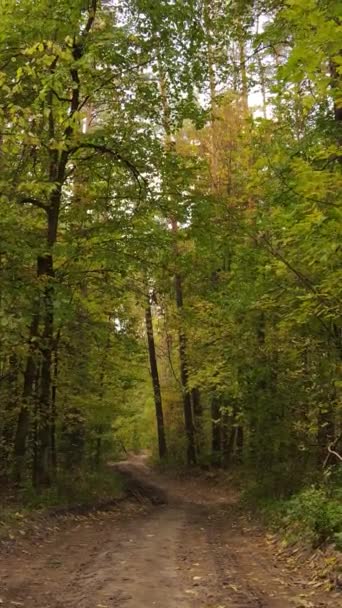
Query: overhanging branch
{"x": 31, "y": 200}
{"x": 102, "y": 149}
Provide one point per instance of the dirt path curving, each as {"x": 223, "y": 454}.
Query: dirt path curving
{"x": 195, "y": 551}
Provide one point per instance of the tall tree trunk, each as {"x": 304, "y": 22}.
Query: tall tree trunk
{"x": 42, "y": 474}
{"x": 215, "y": 431}
{"x": 23, "y": 424}
{"x": 187, "y": 409}
{"x": 228, "y": 436}
{"x": 53, "y": 453}
{"x": 57, "y": 168}
{"x": 239, "y": 443}
{"x": 262, "y": 76}
{"x": 197, "y": 411}
{"x": 243, "y": 72}
{"x": 8, "y": 401}
{"x": 155, "y": 381}
{"x": 34, "y": 430}
{"x": 46, "y": 272}
{"x": 214, "y": 173}
{"x": 335, "y": 83}
{"x": 335, "y": 78}
{"x": 188, "y": 418}
{"x": 98, "y": 450}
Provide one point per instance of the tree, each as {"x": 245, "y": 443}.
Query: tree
{"x": 133, "y": 162}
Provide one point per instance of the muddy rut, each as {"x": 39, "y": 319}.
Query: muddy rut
{"x": 187, "y": 546}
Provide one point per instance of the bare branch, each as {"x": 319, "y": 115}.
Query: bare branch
{"x": 334, "y": 453}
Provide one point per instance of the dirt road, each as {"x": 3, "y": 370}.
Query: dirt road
{"x": 194, "y": 552}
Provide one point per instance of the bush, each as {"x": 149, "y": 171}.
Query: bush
{"x": 315, "y": 514}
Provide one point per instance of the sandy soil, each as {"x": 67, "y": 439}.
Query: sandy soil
{"x": 195, "y": 551}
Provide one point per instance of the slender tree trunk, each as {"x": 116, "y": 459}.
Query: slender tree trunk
{"x": 8, "y": 401}
{"x": 215, "y": 431}
{"x": 229, "y": 447}
{"x": 228, "y": 436}
{"x": 196, "y": 404}
{"x": 34, "y": 431}
{"x": 239, "y": 443}
{"x": 184, "y": 373}
{"x": 336, "y": 86}
{"x": 98, "y": 451}
{"x": 187, "y": 409}
{"x": 261, "y": 70}
{"x": 198, "y": 418}
{"x": 335, "y": 83}
{"x": 42, "y": 473}
{"x": 155, "y": 381}
{"x": 214, "y": 173}
{"x": 54, "y": 412}
{"x": 23, "y": 424}
{"x": 243, "y": 72}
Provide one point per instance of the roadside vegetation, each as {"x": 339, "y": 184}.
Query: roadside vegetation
{"x": 170, "y": 249}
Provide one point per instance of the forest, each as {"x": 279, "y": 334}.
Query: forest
{"x": 170, "y": 254}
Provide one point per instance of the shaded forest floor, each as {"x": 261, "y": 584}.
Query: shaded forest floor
{"x": 191, "y": 548}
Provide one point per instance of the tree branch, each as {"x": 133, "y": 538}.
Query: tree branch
{"x": 30, "y": 200}
{"x": 114, "y": 154}
{"x": 66, "y": 99}
{"x": 334, "y": 453}
{"x": 91, "y": 17}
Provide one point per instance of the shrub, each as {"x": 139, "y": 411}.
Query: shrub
{"x": 314, "y": 514}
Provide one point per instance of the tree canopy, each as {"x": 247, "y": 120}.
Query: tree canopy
{"x": 170, "y": 235}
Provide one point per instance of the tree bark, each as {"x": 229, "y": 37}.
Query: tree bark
{"x": 155, "y": 382}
